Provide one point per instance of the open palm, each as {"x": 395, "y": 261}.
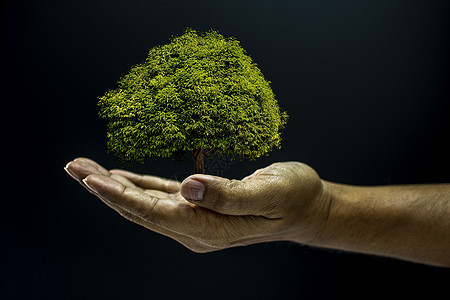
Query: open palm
{"x": 156, "y": 203}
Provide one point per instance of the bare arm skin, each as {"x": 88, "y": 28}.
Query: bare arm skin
{"x": 410, "y": 222}
{"x": 284, "y": 201}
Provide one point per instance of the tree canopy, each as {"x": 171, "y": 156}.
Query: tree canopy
{"x": 199, "y": 92}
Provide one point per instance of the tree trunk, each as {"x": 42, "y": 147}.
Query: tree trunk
{"x": 199, "y": 156}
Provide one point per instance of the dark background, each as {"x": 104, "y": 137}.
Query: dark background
{"x": 366, "y": 86}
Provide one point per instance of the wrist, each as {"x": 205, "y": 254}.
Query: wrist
{"x": 324, "y": 203}
{"x": 312, "y": 220}
{"x": 364, "y": 220}
{"x": 330, "y": 198}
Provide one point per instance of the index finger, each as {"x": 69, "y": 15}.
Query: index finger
{"x": 150, "y": 182}
{"x": 182, "y": 218}
{"x": 81, "y": 167}
{"x": 159, "y": 211}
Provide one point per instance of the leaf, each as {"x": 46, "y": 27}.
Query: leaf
{"x": 199, "y": 91}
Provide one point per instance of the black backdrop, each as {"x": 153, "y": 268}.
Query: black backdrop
{"x": 365, "y": 84}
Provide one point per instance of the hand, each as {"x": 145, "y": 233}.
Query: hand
{"x": 283, "y": 201}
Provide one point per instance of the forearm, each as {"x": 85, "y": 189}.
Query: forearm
{"x": 410, "y": 222}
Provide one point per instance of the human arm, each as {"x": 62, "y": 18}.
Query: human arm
{"x": 284, "y": 201}
{"x": 410, "y": 222}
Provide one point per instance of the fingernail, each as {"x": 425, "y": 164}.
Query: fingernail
{"x": 66, "y": 168}
{"x": 193, "y": 190}
{"x": 90, "y": 188}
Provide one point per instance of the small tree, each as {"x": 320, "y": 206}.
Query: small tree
{"x": 200, "y": 93}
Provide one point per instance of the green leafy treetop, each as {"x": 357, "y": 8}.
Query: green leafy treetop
{"x": 200, "y": 93}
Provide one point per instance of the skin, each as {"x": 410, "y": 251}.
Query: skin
{"x": 285, "y": 201}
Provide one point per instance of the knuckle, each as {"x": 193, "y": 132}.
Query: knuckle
{"x": 148, "y": 212}
{"x": 141, "y": 205}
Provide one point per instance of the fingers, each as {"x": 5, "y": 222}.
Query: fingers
{"x": 81, "y": 167}
{"x": 124, "y": 181}
{"x": 178, "y": 218}
{"x": 133, "y": 200}
{"x": 239, "y": 215}
{"x": 150, "y": 182}
{"x": 157, "y": 214}
{"x": 87, "y": 172}
{"x": 187, "y": 241}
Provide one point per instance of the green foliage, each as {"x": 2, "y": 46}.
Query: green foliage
{"x": 200, "y": 91}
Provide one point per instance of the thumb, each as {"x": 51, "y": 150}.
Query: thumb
{"x": 231, "y": 197}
